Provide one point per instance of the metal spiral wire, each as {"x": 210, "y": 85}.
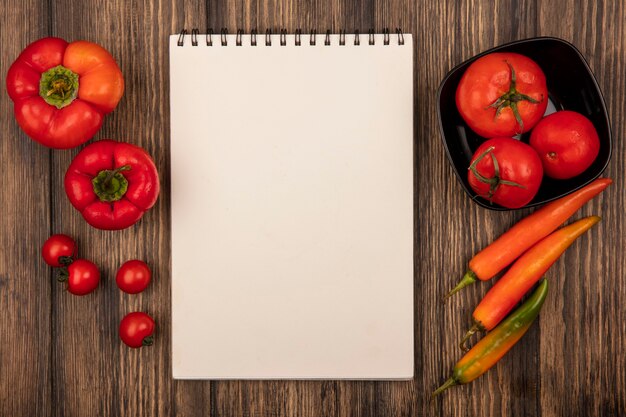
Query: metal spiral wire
{"x": 223, "y": 37}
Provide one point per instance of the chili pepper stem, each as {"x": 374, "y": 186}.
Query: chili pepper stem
{"x": 449, "y": 383}
{"x": 476, "y": 327}
{"x": 468, "y": 279}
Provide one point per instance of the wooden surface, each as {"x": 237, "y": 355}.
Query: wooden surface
{"x": 60, "y": 354}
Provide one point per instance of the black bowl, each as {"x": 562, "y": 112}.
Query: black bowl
{"x": 571, "y": 86}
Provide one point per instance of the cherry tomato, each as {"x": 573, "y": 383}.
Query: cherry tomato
{"x": 505, "y": 171}
{"x": 566, "y": 142}
{"x": 83, "y": 277}
{"x": 58, "y": 250}
{"x": 133, "y": 276}
{"x": 136, "y": 330}
{"x": 502, "y": 94}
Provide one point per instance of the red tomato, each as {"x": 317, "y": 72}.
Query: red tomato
{"x": 58, "y": 250}
{"x": 566, "y": 142}
{"x": 83, "y": 277}
{"x": 505, "y": 171}
{"x": 136, "y": 330}
{"x": 502, "y": 94}
{"x": 133, "y": 276}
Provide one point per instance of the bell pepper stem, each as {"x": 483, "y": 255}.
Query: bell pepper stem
{"x": 468, "y": 279}
{"x": 476, "y": 327}
{"x": 449, "y": 383}
{"x": 112, "y": 173}
{"x": 111, "y": 185}
{"x": 58, "y": 86}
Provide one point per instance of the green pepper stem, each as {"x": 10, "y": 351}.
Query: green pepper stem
{"x": 476, "y": 327}
{"x": 58, "y": 86}
{"x": 449, "y": 383}
{"x": 110, "y": 185}
{"x": 112, "y": 174}
{"x": 468, "y": 279}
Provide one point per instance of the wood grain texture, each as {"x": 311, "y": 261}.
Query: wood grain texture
{"x": 60, "y": 355}
{"x": 25, "y": 281}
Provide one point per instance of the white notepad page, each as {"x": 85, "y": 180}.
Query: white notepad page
{"x": 292, "y": 209}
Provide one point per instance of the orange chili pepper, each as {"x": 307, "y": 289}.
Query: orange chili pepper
{"x": 524, "y": 273}
{"x": 528, "y": 231}
{"x": 498, "y": 342}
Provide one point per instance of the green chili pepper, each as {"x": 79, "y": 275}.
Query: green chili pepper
{"x": 497, "y": 343}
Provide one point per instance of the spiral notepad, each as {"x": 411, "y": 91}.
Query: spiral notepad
{"x": 292, "y": 205}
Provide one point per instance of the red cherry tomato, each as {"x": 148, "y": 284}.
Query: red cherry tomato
{"x": 566, "y": 142}
{"x": 133, "y": 276}
{"x": 502, "y": 94}
{"x": 83, "y": 277}
{"x": 136, "y": 330}
{"x": 58, "y": 250}
{"x": 505, "y": 171}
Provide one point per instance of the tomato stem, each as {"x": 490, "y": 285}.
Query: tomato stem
{"x": 63, "y": 274}
{"x": 511, "y": 98}
{"x": 65, "y": 260}
{"x": 148, "y": 341}
{"x": 495, "y": 181}
{"x": 58, "y": 86}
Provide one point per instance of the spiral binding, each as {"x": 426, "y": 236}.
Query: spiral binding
{"x": 223, "y": 39}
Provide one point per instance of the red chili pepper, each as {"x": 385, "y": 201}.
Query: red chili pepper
{"x": 524, "y": 273}
{"x": 62, "y": 91}
{"x": 112, "y": 184}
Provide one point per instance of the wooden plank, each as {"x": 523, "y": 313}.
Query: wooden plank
{"x": 451, "y": 228}
{"x": 25, "y": 280}
{"x": 95, "y": 373}
{"x": 60, "y": 354}
{"x": 582, "y": 347}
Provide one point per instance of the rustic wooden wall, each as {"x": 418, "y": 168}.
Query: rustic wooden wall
{"x": 60, "y": 355}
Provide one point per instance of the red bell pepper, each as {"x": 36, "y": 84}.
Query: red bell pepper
{"x": 112, "y": 184}
{"x": 62, "y": 91}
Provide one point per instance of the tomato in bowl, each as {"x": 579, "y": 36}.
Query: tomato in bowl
{"x": 571, "y": 86}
